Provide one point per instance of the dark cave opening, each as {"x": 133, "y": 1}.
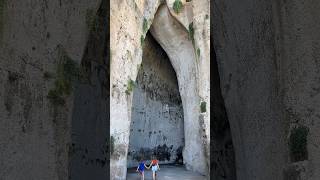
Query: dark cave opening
{"x": 157, "y": 126}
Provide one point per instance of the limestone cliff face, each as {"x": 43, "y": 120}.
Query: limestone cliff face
{"x": 44, "y": 44}
{"x": 269, "y": 72}
{"x": 54, "y": 85}
{"x": 189, "y": 58}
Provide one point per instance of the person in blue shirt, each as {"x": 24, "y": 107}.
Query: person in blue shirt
{"x": 141, "y": 167}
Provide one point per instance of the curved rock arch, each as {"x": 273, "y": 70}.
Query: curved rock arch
{"x": 173, "y": 37}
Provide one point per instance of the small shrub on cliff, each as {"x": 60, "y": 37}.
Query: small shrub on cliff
{"x": 177, "y": 6}
{"x": 142, "y": 40}
{"x": 298, "y": 143}
{"x": 130, "y": 86}
{"x": 67, "y": 72}
{"x": 191, "y": 33}
{"x": 198, "y": 52}
{"x": 203, "y": 107}
{"x": 112, "y": 140}
{"x": 145, "y": 25}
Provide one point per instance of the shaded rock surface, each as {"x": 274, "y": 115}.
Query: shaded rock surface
{"x": 269, "y": 74}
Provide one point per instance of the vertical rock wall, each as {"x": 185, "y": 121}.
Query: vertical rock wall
{"x": 222, "y": 155}
{"x": 89, "y": 153}
{"x": 243, "y": 36}
{"x": 157, "y": 114}
{"x": 127, "y": 36}
{"x": 298, "y": 50}
{"x": 35, "y": 37}
{"x": 269, "y": 69}
{"x": 173, "y": 37}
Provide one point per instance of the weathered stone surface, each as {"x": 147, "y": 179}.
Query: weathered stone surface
{"x": 36, "y": 134}
{"x": 36, "y": 37}
{"x": 244, "y": 44}
{"x": 222, "y": 153}
{"x": 267, "y": 56}
{"x": 157, "y": 115}
{"x": 89, "y": 147}
{"x": 190, "y": 64}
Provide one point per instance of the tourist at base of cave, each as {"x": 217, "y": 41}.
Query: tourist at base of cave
{"x": 141, "y": 167}
{"x": 155, "y": 167}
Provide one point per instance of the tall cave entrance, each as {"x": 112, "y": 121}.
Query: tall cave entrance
{"x": 157, "y": 125}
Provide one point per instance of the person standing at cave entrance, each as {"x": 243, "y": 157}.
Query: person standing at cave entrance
{"x": 155, "y": 167}
{"x": 141, "y": 167}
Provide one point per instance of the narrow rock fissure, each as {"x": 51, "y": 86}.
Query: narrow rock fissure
{"x": 222, "y": 152}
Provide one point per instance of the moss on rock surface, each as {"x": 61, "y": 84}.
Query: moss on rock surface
{"x": 203, "y": 107}
{"x": 112, "y": 141}
{"x": 191, "y": 33}
{"x": 177, "y": 6}
{"x": 298, "y": 143}
{"x": 130, "y": 86}
{"x": 91, "y": 19}
{"x": 145, "y": 25}
{"x": 67, "y": 72}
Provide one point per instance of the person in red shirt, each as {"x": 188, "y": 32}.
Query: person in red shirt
{"x": 155, "y": 167}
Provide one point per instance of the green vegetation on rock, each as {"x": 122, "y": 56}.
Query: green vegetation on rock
{"x": 203, "y": 107}
{"x": 298, "y": 143}
{"x": 130, "y": 86}
{"x": 198, "y": 52}
{"x": 177, "y": 6}
{"x": 112, "y": 140}
{"x": 67, "y": 72}
{"x": 142, "y": 40}
{"x": 91, "y": 19}
{"x": 191, "y": 33}
{"x": 145, "y": 25}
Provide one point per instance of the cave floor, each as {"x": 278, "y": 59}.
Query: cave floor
{"x": 167, "y": 172}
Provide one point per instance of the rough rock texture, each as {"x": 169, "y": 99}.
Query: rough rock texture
{"x": 47, "y": 117}
{"x": 222, "y": 165}
{"x": 157, "y": 115}
{"x": 244, "y": 46}
{"x": 40, "y": 41}
{"x": 191, "y": 66}
{"x": 267, "y": 52}
{"x": 89, "y": 153}
{"x": 174, "y": 40}
{"x": 299, "y": 43}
